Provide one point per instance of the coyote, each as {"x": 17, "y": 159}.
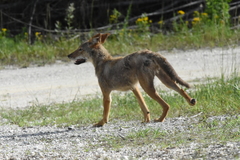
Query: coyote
{"x": 124, "y": 73}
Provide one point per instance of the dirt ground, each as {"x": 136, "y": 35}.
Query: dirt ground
{"x": 65, "y": 82}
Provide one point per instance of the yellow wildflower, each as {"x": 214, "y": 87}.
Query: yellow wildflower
{"x": 4, "y": 29}
{"x": 138, "y": 20}
{"x": 113, "y": 17}
{"x": 204, "y": 14}
{"x": 145, "y": 18}
{"x": 196, "y": 19}
{"x": 181, "y": 12}
{"x": 37, "y": 34}
{"x": 160, "y": 22}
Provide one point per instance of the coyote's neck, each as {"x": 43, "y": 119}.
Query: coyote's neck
{"x": 99, "y": 56}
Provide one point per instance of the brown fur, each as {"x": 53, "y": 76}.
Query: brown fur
{"x": 124, "y": 73}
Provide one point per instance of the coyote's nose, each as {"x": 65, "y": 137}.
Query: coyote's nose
{"x": 69, "y": 56}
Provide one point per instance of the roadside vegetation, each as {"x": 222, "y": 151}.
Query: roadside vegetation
{"x": 215, "y": 98}
{"x": 211, "y": 28}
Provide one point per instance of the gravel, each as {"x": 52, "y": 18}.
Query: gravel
{"x": 65, "y": 82}
{"x": 93, "y": 143}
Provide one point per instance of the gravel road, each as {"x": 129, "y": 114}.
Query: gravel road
{"x": 64, "y": 82}
{"x": 90, "y": 143}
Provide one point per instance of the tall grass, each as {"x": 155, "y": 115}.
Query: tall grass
{"x": 216, "y": 98}
{"x": 19, "y": 52}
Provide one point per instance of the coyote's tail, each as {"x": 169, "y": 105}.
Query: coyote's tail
{"x": 169, "y": 70}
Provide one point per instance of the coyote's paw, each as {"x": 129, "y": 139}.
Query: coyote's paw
{"x": 158, "y": 120}
{"x": 146, "y": 121}
{"x": 147, "y": 118}
{"x": 99, "y": 124}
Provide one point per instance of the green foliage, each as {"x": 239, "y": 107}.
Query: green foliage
{"x": 3, "y": 32}
{"x": 218, "y": 10}
{"x": 69, "y": 15}
{"x": 143, "y": 23}
{"x": 58, "y": 26}
{"x": 69, "y": 19}
{"x": 114, "y": 16}
{"x": 46, "y": 50}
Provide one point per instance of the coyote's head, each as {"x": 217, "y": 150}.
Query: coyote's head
{"x": 83, "y": 53}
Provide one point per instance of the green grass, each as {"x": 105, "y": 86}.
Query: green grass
{"x": 17, "y": 51}
{"x": 216, "y": 98}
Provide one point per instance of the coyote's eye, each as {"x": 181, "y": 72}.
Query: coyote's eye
{"x": 80, "y": 49}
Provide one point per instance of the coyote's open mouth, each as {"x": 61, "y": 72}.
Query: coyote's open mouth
{"x": 79, "y": 61}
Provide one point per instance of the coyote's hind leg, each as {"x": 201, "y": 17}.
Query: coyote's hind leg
{"x": 171, "y": 84}
{"x": 146, "y": 82}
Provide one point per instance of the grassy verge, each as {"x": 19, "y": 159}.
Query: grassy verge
{"x": 17, "y": 51}
{"x": 216, "y": 98}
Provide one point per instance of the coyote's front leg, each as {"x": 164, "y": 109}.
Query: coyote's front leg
{"x": 142, "y": 104}
{"x": 106, "y": 109}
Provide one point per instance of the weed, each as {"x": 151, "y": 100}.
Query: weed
{"x": 69, "y": 16}
{"x": 143, "y": 24}
{"x": 114, "y": 16}
{"x": 218, "y": 11}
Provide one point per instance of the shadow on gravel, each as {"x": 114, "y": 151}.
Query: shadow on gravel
{"x": 40, "y": 133}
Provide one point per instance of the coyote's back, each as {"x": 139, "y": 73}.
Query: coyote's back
{"x": 148, "y": 61}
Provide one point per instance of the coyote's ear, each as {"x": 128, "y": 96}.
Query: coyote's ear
{"x": 104, "y": 37}
{"x": 98, "y": 39}
{"x": 95, "y": 39}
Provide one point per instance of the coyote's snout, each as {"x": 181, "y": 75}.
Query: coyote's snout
{"x": 124, "y": 73}
{"x": 76, "y": 55}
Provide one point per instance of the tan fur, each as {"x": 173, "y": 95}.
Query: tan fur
{"x": 124, "y": 73}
